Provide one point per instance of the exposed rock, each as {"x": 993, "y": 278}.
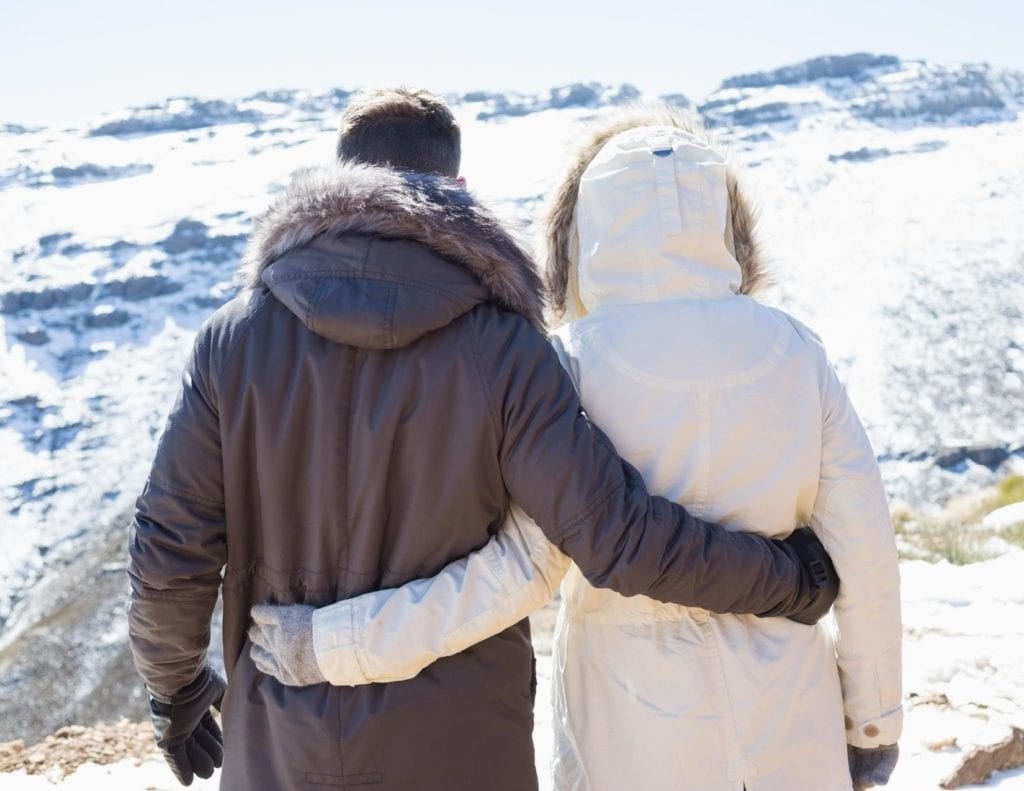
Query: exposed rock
{"x": 322, "y": 103}
{"x": 44, "y": 686}
{"x": 985, "y": 455}
{"x": 870, "y": 154}
{"x": 279, "y": 96}
{"x": 192, "y": 235}
{"x": 120, "y": 251}
{"x": 924, "y": 93}
{"x": 860, "y": 155}
{"x": 34, "y": 336}
{"x": 187, "y": 235}
{"x": 479, "y": 96}
{"x": 74, "y": 745}
{"x": 136, "y": 289}
{"x": 928, "y": 146}
{"x": 44, "y": 299}
{"x": 951, "y": 459}
{"x": 991, "y": 457}
{"x": 676, "y": 99}
{"x": 107, "y": 316}
{"x": 176, "y": 115}
{"x": 983, "y": 762}
{"x": 62, "y": 436}
{"x": 825, "y": 67}
{"x": 591, "y": 94}
{"x": 49, "y": 243}
{"x": 64, "y": 176}
{"x": 949, "y": 743}
{"x": 18, "y": 129}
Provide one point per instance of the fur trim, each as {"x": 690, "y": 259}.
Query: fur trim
{"x": 437, "y": 212}
{"x": 560, "y": 255}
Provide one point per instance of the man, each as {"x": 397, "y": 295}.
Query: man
{"x": 356, "y": 418}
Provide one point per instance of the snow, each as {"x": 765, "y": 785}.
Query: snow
{"x": 1007, "y": 516}
{"x": 122, "y": 776}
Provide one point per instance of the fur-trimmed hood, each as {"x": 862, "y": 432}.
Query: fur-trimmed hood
{"x": 560, "y": 253}
{"x": 348, "y": 200}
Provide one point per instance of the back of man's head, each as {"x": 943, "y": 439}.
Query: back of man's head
{"x": 401, "y": 128}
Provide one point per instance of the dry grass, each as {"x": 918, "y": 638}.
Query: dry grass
{"x": 958, "y": 535}
{"x": 1009, "y": 491}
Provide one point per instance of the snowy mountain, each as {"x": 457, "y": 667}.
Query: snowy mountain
{"x": 880, "y": 89}
{"x": 892, "y": 208}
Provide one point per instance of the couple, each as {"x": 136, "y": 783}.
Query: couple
{"x": 377, "y": 426}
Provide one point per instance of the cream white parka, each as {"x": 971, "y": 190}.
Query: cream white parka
{"x": 732, "y": 409}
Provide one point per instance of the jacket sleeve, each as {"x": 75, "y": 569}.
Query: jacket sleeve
{"x": 851, "y": 516}
{"x": 594, "y": 506}
{"x": 177, "y": 545}
{"x": 391, "y": 635}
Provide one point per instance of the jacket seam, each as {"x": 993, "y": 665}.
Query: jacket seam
{"x": 389, "y": 315}
{"x": 243, "y": 331}
{"x": 356, "y": 636}
{"x": 167, "y": 488}
{"x": 345, "y": 453}
{"x": 602, "y": 348}
{"x": 314, "y": 300}
{"x": 155, "y": 595}
{"x": 574, "y": 521}
{"x": 492, "y": 407}
{"x": 368, "y": 275}
{"x": 498, "y": 570}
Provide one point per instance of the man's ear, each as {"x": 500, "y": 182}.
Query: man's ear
{"x": 461, "y": 180}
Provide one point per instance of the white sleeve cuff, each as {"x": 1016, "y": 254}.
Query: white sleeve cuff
{"x": 336, "y": 643}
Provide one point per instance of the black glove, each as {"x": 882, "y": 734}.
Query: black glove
{"x": 819, "y": 583}
{"x": 871, "y": 766}
{"x": 186, "y": 732}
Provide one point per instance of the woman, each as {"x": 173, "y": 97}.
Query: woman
{"x": 724, "y": 405}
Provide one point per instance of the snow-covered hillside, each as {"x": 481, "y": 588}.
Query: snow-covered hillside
{"x": 892, "y": 197}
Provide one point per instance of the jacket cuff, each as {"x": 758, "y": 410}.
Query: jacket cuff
{"x": 336, "y": 643}
{"x": 876, "y": 731}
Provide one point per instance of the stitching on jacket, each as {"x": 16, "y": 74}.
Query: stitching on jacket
{"x": 601, "y": 346}
{"x": 453, "y": 640}
{"x": 345, "y": 781}
{"x": 496, "y": 567}
{"x": 389, "y": 315}
{"x": 381, "y": 277}
{"x": 199, "y": 377}
{"x": 705, "y": 440}
{"x": 166, "y": 488}
{"x": 344, "y": 454}
{"x": 356, "y": 637}
{"x": 573, "y": 522}
{"x": 243, "y": 331}
{"x": 314, "y": 300}
{"x": 255, "y": 570}
{"x": 370, "y": 242}
{"x": 488, "y": 391}
{"x": 862, "y": 487}
{"x": 148, "y": 594}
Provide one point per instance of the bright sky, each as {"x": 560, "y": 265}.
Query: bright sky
{"x": 66, "y": 59}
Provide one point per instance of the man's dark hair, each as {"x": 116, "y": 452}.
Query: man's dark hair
{"x": 401, "y": 128}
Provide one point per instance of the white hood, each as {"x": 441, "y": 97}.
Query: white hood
{"x": 653, "y": 221}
